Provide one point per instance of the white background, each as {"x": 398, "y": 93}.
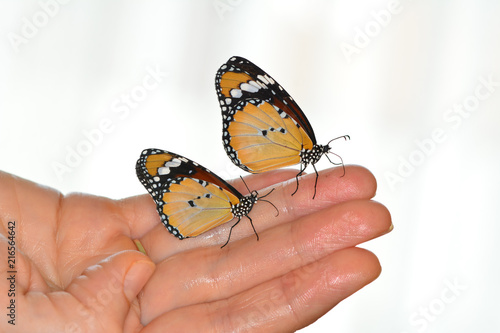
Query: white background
{"x": 388, "y": 73}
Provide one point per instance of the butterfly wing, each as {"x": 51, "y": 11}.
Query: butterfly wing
{"x": 264, "y": 129}
{"x": 263, "y": 138}
{"x": 190, "y": 199}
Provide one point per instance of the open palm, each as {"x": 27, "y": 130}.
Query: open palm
{"x": 78, "y": 268}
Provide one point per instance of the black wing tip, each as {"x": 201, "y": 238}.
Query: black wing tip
{"x": 236, "y": 58}
{"x": 153, "y": 151}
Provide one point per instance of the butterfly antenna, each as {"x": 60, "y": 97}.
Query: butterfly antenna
{"x": 346, "y": 137}
{"x": 245, "y": 184}
{"x": 265, "y": 195}
{"x": 277, "y": 211}
{"x": 341, "y": 162}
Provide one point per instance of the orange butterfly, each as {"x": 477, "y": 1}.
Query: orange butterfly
{"x": 190, "y": 198}
{"x": 263, "y": 128}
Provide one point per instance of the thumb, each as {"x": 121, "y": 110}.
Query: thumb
{"x": 106, "y": 290}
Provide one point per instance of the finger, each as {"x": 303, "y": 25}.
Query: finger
{"x": 358, "y": 183}
{"x": 263, "y": 180}
{"x": 113, "y": 283}
{"x": 335, "y": 186}
{"x": 98, "y": 300}
{"x": 211, "y": 274}
{"x": 283, "y": 304}
{"x": 336, "y": 189}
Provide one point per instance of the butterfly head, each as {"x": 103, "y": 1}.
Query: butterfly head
{"x": 255, "y": 195}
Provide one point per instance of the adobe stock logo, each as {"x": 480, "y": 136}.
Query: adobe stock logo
{"x": 427, "y": 314}
{"x": 224, "y": 6}
{"x": 121, "y": 107}
{"x": 363, "y": 36}
{"x": 30, "y": 27}
{"x": 454, "y": 118}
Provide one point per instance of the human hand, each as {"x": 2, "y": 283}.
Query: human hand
{"x": 74, "y": 253}
{"x": 78, "y": 269}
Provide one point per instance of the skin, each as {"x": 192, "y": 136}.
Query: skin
{"x": 78, "y": 268}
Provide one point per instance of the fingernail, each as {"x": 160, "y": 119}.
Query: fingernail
{"x": 137, "y": 276}
{"x": 387, "y": 230}
{"x": 139, "y": 246}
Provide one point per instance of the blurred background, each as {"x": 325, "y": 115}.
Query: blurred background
{"x": 86, "y": 85}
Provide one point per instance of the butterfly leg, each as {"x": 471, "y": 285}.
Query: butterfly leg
{"x": 230, "y": 231}
{"x": 234, "y": 225}
{"x": 255, "y": 231}
{"x": 302, "y": 168}
{"x": 316, "y": 181}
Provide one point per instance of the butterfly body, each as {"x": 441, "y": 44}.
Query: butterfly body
{"x": 313, "y": 155}
{"x": 245, "y": 205}
{"x": 263, "y": 127}
{"x": 190, "y": 199}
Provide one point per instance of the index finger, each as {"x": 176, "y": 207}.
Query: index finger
{"x": 358, "y": 183}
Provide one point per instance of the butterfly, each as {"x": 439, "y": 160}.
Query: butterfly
{"x": 263, "y": 128}
{"x": 191, "y": 199}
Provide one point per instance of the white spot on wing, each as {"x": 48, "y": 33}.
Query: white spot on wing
{"x": 163, "y": 171}
{"x": 263, "y": 79}
{"x": 270, "y": 79}
{"x": 256, "y": 84}
{"x": 173, "y": 163}
{"x": 236, "y": 93}
{"x": 249, "y": 87}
